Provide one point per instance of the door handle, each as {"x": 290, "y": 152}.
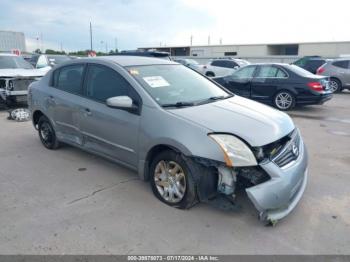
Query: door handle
{"x": 87, "y": 112}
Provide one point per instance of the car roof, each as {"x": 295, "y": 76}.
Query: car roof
{"x": 130, "y": 60}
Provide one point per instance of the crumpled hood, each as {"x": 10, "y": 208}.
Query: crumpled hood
{"x": 254, "y": 122}
{"x": 18, "y": 72}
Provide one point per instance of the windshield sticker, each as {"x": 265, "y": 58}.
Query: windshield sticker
{"x": 133, "y": 71}
{"x": 156, "y": 81}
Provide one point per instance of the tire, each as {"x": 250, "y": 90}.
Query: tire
{"x": 335, "y": 85}
{"x": 284, "y": 100}
{"x": 177, "y": 188}
{"x": 210, "y": 74}
{"x": 47, "y": 133}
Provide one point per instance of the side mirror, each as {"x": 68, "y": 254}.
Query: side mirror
{"x": 121, "y": 102}
{"x": 236, "y": 67}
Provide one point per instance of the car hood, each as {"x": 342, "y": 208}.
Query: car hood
{"x": 18, "y": 72}
{"x": 255, "y": 123}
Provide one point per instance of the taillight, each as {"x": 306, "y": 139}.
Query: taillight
{"x": 320, "y": 70}
{"x": 316, "y": 86}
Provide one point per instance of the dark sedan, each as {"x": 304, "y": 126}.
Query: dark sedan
{"x": 280, "y": 85}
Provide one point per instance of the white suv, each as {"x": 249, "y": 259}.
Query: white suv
{"x": 223, "y": 67}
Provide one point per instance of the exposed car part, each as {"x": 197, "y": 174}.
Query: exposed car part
{"x": 19, "y": 114}
{"x": 14, "y": 89}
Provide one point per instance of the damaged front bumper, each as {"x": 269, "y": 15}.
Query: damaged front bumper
{"x": 277, "y": 197}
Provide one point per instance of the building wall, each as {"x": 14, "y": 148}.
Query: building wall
{"x": 12, "y": 40}
{"x": 325, "y": 49}
{"x": 218, "y": 51}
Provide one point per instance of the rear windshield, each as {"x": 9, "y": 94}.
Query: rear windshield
{"x": 300, "y": 71}
{"x": 11, "y": 62}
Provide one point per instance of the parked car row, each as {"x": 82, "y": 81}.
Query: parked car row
{"x": 337, "y": 69}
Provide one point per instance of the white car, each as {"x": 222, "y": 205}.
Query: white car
{"x": 193, "y": 64}
{"x": 222, "y": 67}
{"x": 16, "y": 75}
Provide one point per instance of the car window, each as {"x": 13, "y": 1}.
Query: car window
{"x": 341, "y": 64}
{"x": 230, "y": 64}
{"x": 103, "y": 82}
{"x": 244, "y": 73}
{"x": 271, "y": 72}
{"x": 219, "y": 63}
{"x": 70, "y": 79}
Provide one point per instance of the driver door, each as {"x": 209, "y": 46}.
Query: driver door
{"x": 109, "y": 131}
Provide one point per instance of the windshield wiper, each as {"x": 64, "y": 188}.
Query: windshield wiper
{"x": 179, "y": 104}
{"x": 213, "y": 98}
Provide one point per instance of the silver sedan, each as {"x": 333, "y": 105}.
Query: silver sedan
{"x": 193, "y": 140}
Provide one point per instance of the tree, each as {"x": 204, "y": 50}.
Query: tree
{"x": 54, "y": 52}
{"x": 37, "y": 51}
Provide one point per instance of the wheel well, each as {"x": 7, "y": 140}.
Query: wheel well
{"x": 36, "y": 116}
{"x": 152, "y": 153}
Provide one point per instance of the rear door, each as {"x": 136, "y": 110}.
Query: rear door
{"x": 239, "y": 82}
{"x": 266, "y": 82}
{"x": 64, "y": 100}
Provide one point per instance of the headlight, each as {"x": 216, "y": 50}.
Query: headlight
{"x": 236, "y": 152}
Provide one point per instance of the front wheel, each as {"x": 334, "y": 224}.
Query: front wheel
{"x": 284, "y": 100}
{"x": 172, "y": 181}
{"x": 47, "y": 134}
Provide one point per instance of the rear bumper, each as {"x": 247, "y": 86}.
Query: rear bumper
{"x": 277, "y": 197}
{"x": 314, "y": 100}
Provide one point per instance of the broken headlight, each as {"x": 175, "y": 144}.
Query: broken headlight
{"x": 236, "y": 152}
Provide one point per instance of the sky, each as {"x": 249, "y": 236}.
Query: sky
{"x": 128, "y": 24}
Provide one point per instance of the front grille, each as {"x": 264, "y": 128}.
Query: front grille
{"x": 290, "y": 152}
{"x": 20, "y": 84}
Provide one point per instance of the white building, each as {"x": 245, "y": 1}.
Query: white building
{"x": 12, "y": 40}
{"x": 326, "y": 49}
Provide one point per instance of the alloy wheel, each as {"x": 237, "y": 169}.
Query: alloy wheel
{"x": 170, "y": 181}
{"x": 284, "y": 100}
{"x": 333, "y": 86}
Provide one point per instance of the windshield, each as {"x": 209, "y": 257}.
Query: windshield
{"x": 300, "y": 71}
{"x": 11, "y": 62}
{"x": 176, "y": 84}
{"x": 58, "y": 59}
{"x": 191, "y": 62}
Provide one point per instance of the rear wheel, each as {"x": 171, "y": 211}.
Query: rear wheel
{"x": 47, "y": 134}
{"x": 284, "y": 100}
{"x": 335, "y": 85}
{"x": 172, "y": 181}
